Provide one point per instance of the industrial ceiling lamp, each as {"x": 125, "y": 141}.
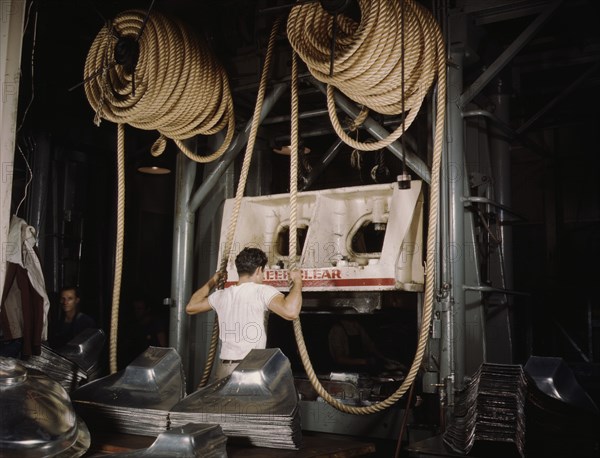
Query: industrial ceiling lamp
{"x": 155, "y": 165}
{"x": 154, "y": 170}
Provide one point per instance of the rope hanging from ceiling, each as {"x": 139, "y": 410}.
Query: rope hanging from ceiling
{"x": 149, "y": 71}
{"x": 227, "y": 252}
{"x": 368, "y": 69}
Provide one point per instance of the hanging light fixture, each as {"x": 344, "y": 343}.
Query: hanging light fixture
{"x": 155, "y": 165}
{"x": 154, "y": 169}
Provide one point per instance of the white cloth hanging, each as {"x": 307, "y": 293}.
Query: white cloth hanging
{"x": 20, "y": 250}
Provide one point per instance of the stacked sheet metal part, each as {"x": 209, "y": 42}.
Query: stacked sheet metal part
{"x": 58, "y": 368}
{"x": 206, "y": 441}
{"x": 562, "y": 419}
{"x": 257, "y": 404}
{"x": 73, "y": 364}
{"x": 85, "y": 350}
{"x": 490, "y": 411}
{"x": 135, "y": 400}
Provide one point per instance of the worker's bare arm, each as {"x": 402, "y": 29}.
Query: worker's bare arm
{"x": 289, "y": 306}
{"x": 199, "y": 301}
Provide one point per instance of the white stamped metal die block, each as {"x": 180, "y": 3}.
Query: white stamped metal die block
{"x": 364, "y": 238}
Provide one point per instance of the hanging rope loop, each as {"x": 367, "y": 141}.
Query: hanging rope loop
{"x": 227, "y": 251}
{"x": 163, "y": 79}
{"x": 369, "y": 71}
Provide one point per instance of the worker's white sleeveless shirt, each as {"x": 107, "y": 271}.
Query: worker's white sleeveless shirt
{"x": 241, "y": 310}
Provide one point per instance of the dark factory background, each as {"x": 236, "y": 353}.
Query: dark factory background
{"x": 72, "y": 194}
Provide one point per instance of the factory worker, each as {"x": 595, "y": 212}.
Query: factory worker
{"x": 242, "y": 309}
{"x": 72, "y": 322}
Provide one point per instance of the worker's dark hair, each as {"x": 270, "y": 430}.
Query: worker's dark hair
{"x": 71, "y": 288}
{"x": 249, "y": 259}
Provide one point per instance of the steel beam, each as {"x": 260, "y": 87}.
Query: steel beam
{"x": 485, "y": 200}
{"x": 480, "y": 83}
{"x": 325, "y": 160}
{"x": 570, "y": 88}
{"x": 412, "y": 160}
{"x": 303, "y": 115}
{"x": 236, "y": 146}
{"x": 182, "y": 266}
{"x": 456, "y": 241}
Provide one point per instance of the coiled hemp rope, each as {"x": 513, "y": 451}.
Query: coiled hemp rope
{"x": 366, "y": 67}
{"x": 180, "y": 89}
{"x": 368, "y": 58}
{"x": 164, "y": 79}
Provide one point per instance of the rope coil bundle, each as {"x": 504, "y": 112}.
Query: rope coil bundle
{"x": 175, "y": 86}
{"x": 369, "y": 66}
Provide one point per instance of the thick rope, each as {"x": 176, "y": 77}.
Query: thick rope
{"x": 114, "y": 318}
{"x": 293, "y": 226}
{"x": 180, "y": 90}
{"x": 435, "y": 41}
{"x": 368, "y": 58}
{"x": 240, "y": 191}
{"x": 155, "y": 97}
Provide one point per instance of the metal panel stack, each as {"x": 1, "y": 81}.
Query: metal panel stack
{"x": 490, "y": 410}
{"x": 135, "y": 400}
{"x": 256, "y": 405}
{"x": 540, "y": 410}
{"x": 73, "y": 364}
{"x": 207, "y": 441}
{"x": 85, "y": 350}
